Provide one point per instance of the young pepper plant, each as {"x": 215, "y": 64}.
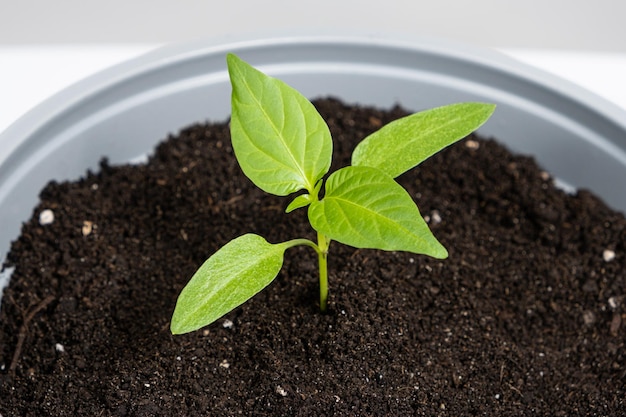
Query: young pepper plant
{"x": 284, "y": 147}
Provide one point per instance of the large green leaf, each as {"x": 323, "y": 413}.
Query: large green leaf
{"x": 404, "y": 143}
{"x": 280, "y": 140}
{"x": 365, "y": 208}
{"x": 230, "y": 277}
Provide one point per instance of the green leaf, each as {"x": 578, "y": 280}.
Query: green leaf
{"x": 304, "y": 199}
{"x": 280, "y": 140}
{"x": 365, "y": 208}
{"x": 299, "y": 202}
{"x": 404, "y": 143}
{"x": 233, "y": 275}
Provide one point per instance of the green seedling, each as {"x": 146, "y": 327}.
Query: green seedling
{"x": 284, "y": 147}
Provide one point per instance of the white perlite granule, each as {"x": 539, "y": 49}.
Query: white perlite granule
{"x": 281, "y": 391}
{"x": 46, "y": 217}
{"x": 608, "y": 255}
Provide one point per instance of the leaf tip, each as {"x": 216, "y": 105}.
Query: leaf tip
{"x": 299, "y": 202}
{"x": 490, "y": 108}
{"x": 176, "y": 327}
{"x": 436, "y": 249}
{"x": 440, "y": 253}
{"x": 232, "y": 58}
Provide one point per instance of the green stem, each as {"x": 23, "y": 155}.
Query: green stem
{"x": 323, "y": 243}
{"x": 321, "y": 248}
{"x": 301, "y": 242}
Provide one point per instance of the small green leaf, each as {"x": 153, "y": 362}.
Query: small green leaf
{"x": 404, "y": 143}
{"x": 234, "y": 274}
{"x": 299, "y": 202}
{"x": 280, "y": 140}
{"x": 304, "y": 199}
{"x": 365, "y": 208}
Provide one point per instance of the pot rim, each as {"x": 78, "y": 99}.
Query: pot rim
{"x": 171, "y": 54}
{"x": 270, "y": 53}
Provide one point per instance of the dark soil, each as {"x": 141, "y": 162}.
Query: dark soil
{"x": 526, "y": 317}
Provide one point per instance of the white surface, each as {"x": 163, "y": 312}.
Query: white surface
{"x": 30, "y": 74}
{"x": 601, "y": 73}
{"x": 556, "y": 24}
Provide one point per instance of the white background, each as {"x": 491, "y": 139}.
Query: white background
{"x": 47, "y": 45}
{"x": 597, "y": 25}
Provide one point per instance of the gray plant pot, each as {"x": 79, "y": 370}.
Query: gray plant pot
{"x": 121, "y": 113}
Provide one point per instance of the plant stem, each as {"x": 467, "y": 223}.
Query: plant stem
{"x": 323, "y": 243}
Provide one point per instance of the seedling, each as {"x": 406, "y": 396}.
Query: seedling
{"x": 284, "y": 147}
